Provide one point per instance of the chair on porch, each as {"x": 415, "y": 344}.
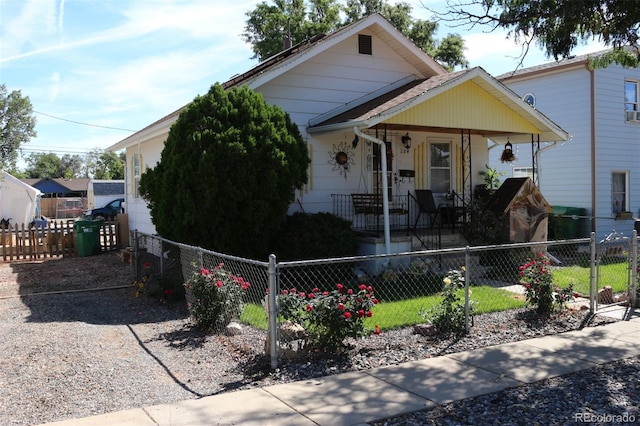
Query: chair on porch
{"x": 426, "y": 205}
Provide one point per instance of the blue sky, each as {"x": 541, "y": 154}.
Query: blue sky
{"x": 123, "y": 64}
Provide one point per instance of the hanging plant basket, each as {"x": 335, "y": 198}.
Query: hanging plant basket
{"x": 507, "y": 155}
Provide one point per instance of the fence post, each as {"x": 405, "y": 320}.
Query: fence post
{"x": 634, "y": 269}
{"x": 592, "y": 276}
{"x": 467, "y": 278}
{"x": 136, "y": 252}
{"x": 273, "y": 311}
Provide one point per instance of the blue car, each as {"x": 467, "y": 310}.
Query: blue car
{"x": 108, "y": 212}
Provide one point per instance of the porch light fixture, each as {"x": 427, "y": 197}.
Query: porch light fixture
{"x": 354, "y": 142}
{"x": 406, "y": 141}
{"x": 507, "y": 154}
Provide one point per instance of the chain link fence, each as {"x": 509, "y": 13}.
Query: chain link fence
{"x": 408, "y": 287}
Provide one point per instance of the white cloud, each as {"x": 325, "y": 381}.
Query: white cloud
{"x": 24, "y": 29}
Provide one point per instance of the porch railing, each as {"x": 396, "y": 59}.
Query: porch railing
{"x": 371, "y": 220}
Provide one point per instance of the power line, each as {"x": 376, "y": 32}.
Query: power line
{"x": 85, "y": 124}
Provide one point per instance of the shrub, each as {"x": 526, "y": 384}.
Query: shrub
{"x": 227, "y": 174}
{"x": 315, "y": 236}
{"x": 449, "y": 316}
{"x": 216, "y": 297}
{"x": 166, "y": 288}
{"x": 328, "y": 317}
{"x": 539, "y": 288}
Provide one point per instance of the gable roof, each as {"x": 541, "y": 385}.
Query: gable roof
{"x": 580, "y": 61}
{"x": 278, "y": 64}
{"x": 59, "y": 184}
{"x": 375, "y": 23}
{"x": 418, "y": 93}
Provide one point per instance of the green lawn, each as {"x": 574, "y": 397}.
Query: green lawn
{"x": 614, "y": 275}
{"x": 403, "y": 313}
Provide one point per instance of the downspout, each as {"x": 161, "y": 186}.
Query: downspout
{"x": 385, "y": 194}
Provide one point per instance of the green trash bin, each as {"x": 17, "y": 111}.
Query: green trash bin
{"x": 87, "y": 235}
{"x": 565, "y": 222}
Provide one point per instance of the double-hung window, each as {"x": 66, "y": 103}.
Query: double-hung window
{"x": 631, "y": 98}
{"x": 619, "y": 193}
{"x": 440, "y": 170}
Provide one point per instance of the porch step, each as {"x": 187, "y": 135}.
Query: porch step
{"x": 448, "y": 240}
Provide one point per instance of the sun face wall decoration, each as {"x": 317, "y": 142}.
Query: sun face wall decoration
{"x": 341, "y": 158}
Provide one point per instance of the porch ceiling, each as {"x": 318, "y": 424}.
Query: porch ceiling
{"x": 469, "y": 100}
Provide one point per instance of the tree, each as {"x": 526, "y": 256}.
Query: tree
{"x": 557, "y": 25}
{"x": 227, "y": 173}
{"x": 17, "y": 125}
{"x": 268, "y": 25}
{"x": 42, "y": 165}
{"x": 104, "y": 165}
{"x": 71, "y": 166}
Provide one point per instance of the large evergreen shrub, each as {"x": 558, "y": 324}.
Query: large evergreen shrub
{"x": 315, "y": 236}
{"x": 227, "y": 174}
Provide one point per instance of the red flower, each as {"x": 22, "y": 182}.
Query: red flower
{"x": 369, "y": 314}
{"x": 375, "y": 301}
{"x": 147, "y": 265}
{"x": 204, "y": 271}
{"x": 312, "y": 296}
{"x": 347, "y": 315}
{"x": 302, "y": 294}
{"x": 340, "y": 307}
{"x": 315, "y": 289}
{"x": 285, "y": 292}
{"x": 219, "y": 283}
{"x": 293, "y": 290}
{"x": 349, "y": 291}
{"x": 370, "y": 289}
{"x": 362, "y": 287}
{"x": 377, "y": 329}
{"x": 325, "y": 293}
{"x": 309, "y": 308}
{"x": 360, "y": 313}
{"x": 340, "y": 288}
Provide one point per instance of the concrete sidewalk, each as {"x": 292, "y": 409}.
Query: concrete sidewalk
{"x": 359, "y": 397}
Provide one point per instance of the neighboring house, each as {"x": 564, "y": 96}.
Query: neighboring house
{"x": 61, "y": 198}
{"x": 598, "y": 170}
{"x": 19, "y": 202}
{"x": 352, "y": 92}
{"x": 101, "y": 192}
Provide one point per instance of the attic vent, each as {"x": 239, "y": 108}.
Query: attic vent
{"x": 364, "y": 44}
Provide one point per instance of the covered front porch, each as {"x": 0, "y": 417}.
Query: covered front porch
{"x": 426, "y": 225}
{"x": 424, "y": 136}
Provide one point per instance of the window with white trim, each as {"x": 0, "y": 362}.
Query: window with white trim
{"x": 631, "y": 98}
{"x": 136, "y": 172}
{"x": 523, "y": 172}
{"x": 619, "y": 192}
{"x": 440, "y": 170}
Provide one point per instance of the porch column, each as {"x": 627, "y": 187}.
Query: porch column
{"x": 385, "y": 195}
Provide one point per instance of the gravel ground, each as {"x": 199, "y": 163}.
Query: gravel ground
{"x": 88, "y": 352}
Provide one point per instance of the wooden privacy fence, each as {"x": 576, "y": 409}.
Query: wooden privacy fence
{"x": 56, "y": 239}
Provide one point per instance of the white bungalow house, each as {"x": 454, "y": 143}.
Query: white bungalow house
{"x": 377, "y": 113}
{"x": 595, "y": 173}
